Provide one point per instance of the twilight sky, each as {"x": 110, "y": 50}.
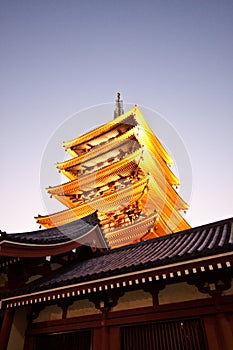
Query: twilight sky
{"x": 60, "y": 57}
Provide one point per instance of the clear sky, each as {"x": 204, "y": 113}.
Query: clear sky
{"x": 59, "y": 57}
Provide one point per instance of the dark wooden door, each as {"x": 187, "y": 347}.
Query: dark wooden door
{"x": 170, "y": 335}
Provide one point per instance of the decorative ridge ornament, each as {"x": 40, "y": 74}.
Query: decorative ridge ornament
{"x": 118, "y": 110}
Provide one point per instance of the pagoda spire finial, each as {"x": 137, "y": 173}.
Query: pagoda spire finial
{"x": 118, "y": 109}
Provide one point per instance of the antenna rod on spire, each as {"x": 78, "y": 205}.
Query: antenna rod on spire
{"x": 118, "y": 109}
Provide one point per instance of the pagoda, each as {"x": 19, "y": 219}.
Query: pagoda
{"x": 65, "y": 287}
{"x": 121, "y": 171}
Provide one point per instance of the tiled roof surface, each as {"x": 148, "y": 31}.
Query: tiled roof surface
{"x": 206, "y": 240}
{"x": 55, "y": 235}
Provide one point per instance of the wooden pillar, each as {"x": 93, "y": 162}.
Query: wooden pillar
{"x": 102, "y": 338}
{"x": 223, "y": 324}
{"x": 211, "y": 332}
{"x": 6, "y": 328}
{"x": 225, "y": 333}
{"x": 114, "y": 338}
{"x": 96, "y": 345}
{"x": 104, "y": 333}
{"x": 29, "y": 343}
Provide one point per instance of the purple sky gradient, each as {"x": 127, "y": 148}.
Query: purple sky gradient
{"x": 58, "y": 57}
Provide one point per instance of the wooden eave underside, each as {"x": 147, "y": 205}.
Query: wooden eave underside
{"x": 142, "y": 125}
{"x": 99, "y": 175}
{"x": 106, "y": 171}
{"x": 62, "y": 192}
{"x": 130, "y": 233}
{"x": 168, "y": 217}
{"x": 99, "y": 130}
{"x": 113, "y": 145}
{"x": 172, "y": 197}
{"x": 153, "y": 159}
{"x": 102, "y": 204}
{"x": 28, "y": 250}
{"x": 166, "y": 203}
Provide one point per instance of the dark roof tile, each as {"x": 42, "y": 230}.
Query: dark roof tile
{"x": 156, "y": 251}
{"x": 56, "y": 235}
{"x": 206, "y": 240}
{"x": 224, "y": 236}
{"x": 231, "y": 234}
{"x": 199, "y": 237}
{"x": 215, "y": 237}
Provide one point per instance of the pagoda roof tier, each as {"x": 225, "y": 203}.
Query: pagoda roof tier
{"x": 53, "y": 241}
{"x": 139, "y": 229}
{"x": 96, "y": 188}
{"x": 111, "y": 153}
{"x": 169, "y": 219}
{"x": 127, "y": 194}
{"x": 198, "y": 252}
{"x": 174, "y": 222}
{"x": 133, "y": 118}
{"x": 69, "y": 197}
{"x": 105, "y": 173}
{"x": 161, "y": 200}
{"x": 112, "y": 148}
{"x": 167, "y": 207}
{"x": 131, "y": 233}
{"x": 109, "y": 128}
{"x": 148, "y": 163}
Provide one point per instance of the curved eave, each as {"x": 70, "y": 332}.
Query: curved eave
{"x": 135, "y": 232}
{"x": 28, "y": 250}
{"x": 172, "y": 225}
{"x": 159, "y": 190}
{"x": 130, "y": 233}
{"x": 167, "y": 209}
{"x": 98, "y": 175}
{"x": 102, "y": 204}
{"x": 63, "y": 192}
{"x": 149, "y": 165}
{"x": 149, "y": 134}
{"x": 99, "y": 130}
{"x": 147, "y": 137}
{"x": 108, "y": 146}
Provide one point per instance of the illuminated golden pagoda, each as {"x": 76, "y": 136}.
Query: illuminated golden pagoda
{"x": 120, "y": 171}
